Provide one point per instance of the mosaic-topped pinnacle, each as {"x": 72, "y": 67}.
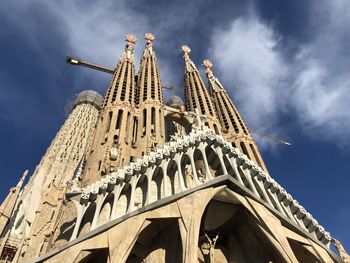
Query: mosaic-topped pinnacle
{"x": 150, "y": 38}
{"x": 208, "y": 65}
{"x": 131, "y": 40}
{"x": 186, "y": 50}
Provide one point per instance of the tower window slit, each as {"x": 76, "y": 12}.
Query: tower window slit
{"x": 119, "y": 119}
{"x": 257, "y": 159}
{"x": 144, "y": 121}
{"x": 244, "y": 149}
{"x": 135, "y": 126}
{"x": 131, "y": 86}
{"x": 108, "y": 124}
{"x": 116, "y": 85}
{"x": 153, "y": 115}
{"x": 127, "y": 128}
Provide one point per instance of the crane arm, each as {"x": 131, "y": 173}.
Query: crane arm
{"x": 76, "y": 61}
{"x": 272, "y": 138}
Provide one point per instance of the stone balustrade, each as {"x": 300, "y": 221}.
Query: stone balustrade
{"x": 198, "y": 158}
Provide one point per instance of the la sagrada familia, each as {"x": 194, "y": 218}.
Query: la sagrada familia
{"x": 129, "y": 178}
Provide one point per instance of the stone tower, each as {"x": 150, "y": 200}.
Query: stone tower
{"x": 113, "y": 138}
{"x": 8, "y": 205}
{"x": 196, "y": 94}
{"x": 149, "y": 100}
{"x": 233, "y": 127}
{"x": 40, "y": 202}
{"x": 197, "y": 195}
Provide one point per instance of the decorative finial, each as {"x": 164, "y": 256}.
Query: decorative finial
{"x": 131, "y": 40}
{"x": 208, "y": 65}
{"x": 186, "y": 49}
{"x": 24, "y": 175}
{"x": 150, "y": 38}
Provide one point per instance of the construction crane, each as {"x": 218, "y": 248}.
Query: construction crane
{"x": 78, "y": 62}
{"x": 269, "y": 137}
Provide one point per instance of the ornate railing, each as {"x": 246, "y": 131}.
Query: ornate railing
{"x": 179, "y": 166}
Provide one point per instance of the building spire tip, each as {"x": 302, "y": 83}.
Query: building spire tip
{"x": 150, "y": 38}
{"x": 131, "y": 38}
{"x": 24, "y": 175}
{"x": 130, "y": 44}
{"x": 208, "y": 65}
{"x": 186, "y": 49}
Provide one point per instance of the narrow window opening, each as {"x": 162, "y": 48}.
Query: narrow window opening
{"x": 153, "y": 115}
{"x": 108, "y": 124}
{"x": 135, "y": 126}
{"x": 119, "y": 119}
{"x": 216, "y": 129}
{"x": 257, "y": 159}
{"x": 244, "y": 149}
{"x": 144, "y": 122}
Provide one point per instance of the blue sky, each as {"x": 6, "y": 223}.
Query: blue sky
{"x": 285, "y": 63}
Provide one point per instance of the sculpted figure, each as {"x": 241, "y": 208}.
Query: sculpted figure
{"x": 113, "y": 153}
{"x": 212, "y": 243}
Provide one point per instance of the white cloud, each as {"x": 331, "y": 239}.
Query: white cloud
{"x": 253, "y": 70}
{"x": 314, "y": 86}
{"x": 321, "y": 91}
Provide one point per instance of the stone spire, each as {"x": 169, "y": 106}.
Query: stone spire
{"x": 112, "y": 142}
{"x": 121, "y": 88}
{"x": 9, "y": 203}
{"x": 233, "y": 126}
{"x": 148, "y": 131}
{"x": 196, "y": 94}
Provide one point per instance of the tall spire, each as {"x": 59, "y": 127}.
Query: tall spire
{"x": 112, "y": 141}
{"x": 233, "y": 126}
{"x": 149, "y": 131}
{"x": 9, "y": 203}
{"x": 122, "y": 85}
{"x": 196, "y": 94}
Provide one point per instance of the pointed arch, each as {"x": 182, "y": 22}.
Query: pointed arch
{"x": 173, "y": 174}
{"x": 213, "y": 161}
{"x": 85, "y": 225}
{"x": 140, "y": 197}
{"x": 186, "y": 170}
{"x": 106, "y": 210}
{"x": 123, "y": 202}
{"x": 200, "y": 165}
{"x": 156, "y": 187}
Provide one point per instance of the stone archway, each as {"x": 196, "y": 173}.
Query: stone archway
{"x": 229, "y": 233}
{"x": 160, "y": 241}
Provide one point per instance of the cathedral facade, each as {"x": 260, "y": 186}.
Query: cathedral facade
{"x": 129, "y": 178}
